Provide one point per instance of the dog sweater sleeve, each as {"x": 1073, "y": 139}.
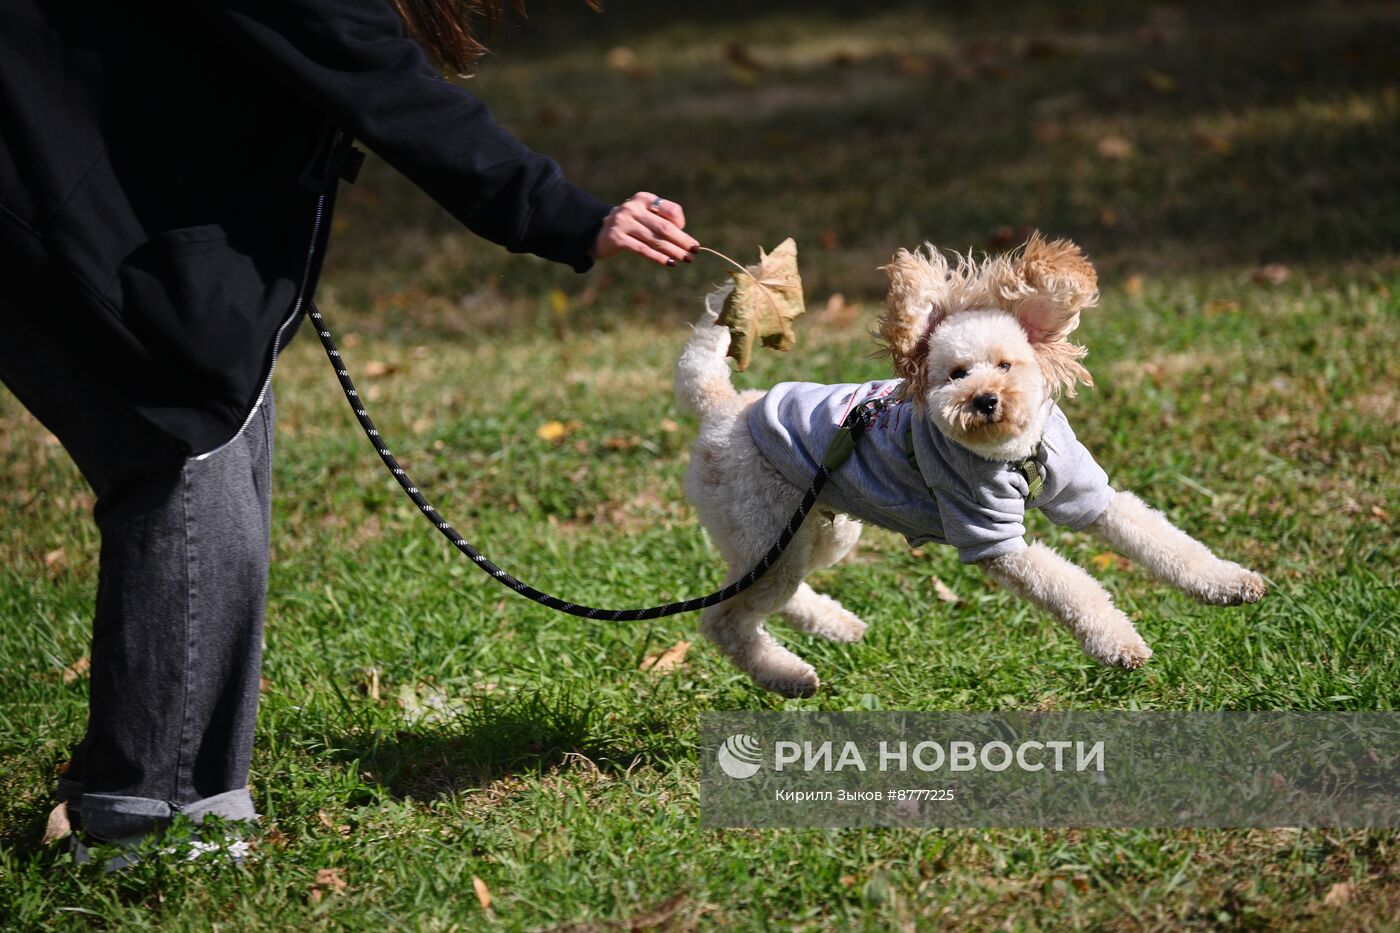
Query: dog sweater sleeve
{"x": 1076, "y": 489}
{"x": 983, "y": 522}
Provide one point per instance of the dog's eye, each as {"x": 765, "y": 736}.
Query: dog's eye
{"x": 957, "y": 373}
{"x": 1003, "y": 366}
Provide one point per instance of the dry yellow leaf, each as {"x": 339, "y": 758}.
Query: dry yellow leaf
{"x": 668, "y": 660}
{"x": 558, "y": 302}
{"x": 483, "y": 893}
{"x": 375, "y": 369}
{"x": 765, "y": 299}
{"x": 328, "y": 881}
{"x": 77, "y": 669}
{"x": 1160, "y": 81}
{"x": 556, "y": 430}
{"x": 1274, "y": 273}
{"x": 943, "y": 592}
{"x": 57, "y": 826}
{"x": 1108, "y": 559}
{"x": 1115, "y": 147}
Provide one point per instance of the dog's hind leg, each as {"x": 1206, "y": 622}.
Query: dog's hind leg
{"x": 817, "y": 614}
{"x": 736, "y": 626}
{"x": 1144, "y": 535}
{"x": 1075, "y": 599}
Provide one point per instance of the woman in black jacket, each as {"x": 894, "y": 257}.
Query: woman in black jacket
{"x": 167, "y": 172}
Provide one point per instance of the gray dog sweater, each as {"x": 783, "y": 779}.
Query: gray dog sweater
{"x": 907, "y": 476}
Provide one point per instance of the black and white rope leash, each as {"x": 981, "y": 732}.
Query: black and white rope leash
{"x": 852, "y": 428}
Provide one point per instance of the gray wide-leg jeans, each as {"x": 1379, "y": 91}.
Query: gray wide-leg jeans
{"x": 177, "y": 632}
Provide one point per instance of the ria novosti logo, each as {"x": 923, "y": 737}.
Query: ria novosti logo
{"x": 740, "y": 756}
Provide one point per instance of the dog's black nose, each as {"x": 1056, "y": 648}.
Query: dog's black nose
{"x": 986, "y": 403}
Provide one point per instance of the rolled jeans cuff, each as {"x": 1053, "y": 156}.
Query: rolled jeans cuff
{"x": 107, "y": 816}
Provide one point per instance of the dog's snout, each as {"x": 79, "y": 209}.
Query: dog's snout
{"x": 986, "y": 403}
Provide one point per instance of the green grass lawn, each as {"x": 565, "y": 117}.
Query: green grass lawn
{"x": 1233, "y": 172}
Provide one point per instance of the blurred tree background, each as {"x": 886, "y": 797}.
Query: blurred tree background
{"x": 1166, "y": 139}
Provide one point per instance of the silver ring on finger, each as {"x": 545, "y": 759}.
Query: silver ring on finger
{"x": 656, "y": 202}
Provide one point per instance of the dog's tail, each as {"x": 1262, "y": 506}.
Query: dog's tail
{"x": 702, "y": 375}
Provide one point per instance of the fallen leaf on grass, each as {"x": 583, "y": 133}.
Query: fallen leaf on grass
{"x": 1380, "y": 513}
{"x": 626, "y": 61}
{"x": 765, "y": 299}
{"x": 669, "y": 426}
{"x": 325, "y": 820}
{"x": 377, "y": 368}
{"x": 1115, "y": 147}
{"x": 1160, "y": 81}
{"x": 1339, "y": 894}
{"x": 483, "y": 893}
{"x": 554, "y": 431}
{"x": 558, "y": 302}
{"x": 55, "y": 561}
{"x": 328, "y": 881}
{"x": 77, "y": 669}
{"x": 1274, "y": 273}
{"x": 1108, "y": 559}
{"x": 664, "y": 661}
{"x": 840, "y": 312}
{"x": 57, "y": 826}
{"x": 943, "y": 592}
{"x": 1214, "y": 142}
{"x": 1218, "y": 306}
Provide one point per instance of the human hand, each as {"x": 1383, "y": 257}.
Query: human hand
{"x": 649, "y": 226}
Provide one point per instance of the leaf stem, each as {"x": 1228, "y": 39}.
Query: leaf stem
{"x": 715, "y": 252}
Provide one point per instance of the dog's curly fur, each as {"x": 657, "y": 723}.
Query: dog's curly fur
{"x": 954, "y": 332}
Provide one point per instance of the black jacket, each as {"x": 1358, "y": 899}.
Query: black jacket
{"x": 155, "y": 204}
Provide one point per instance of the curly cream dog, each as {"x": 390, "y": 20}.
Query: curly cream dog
{"x": 967, "y": 437}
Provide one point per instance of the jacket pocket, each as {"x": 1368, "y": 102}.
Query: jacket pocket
{"x": 199, "y": 307}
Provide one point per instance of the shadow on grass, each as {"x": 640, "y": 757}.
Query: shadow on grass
{"x": 489, "y": 739}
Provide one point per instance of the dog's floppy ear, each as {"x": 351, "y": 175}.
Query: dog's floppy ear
{"x": 917, "y": 301}
{"x": 1056, "y": 283}
{"x": 1049, "y": 283}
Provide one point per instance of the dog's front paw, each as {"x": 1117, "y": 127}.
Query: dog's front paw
{"x": 794, "y": 689}
{"x": 791, "y": 677}
{"x": 1132, "y": 654}
{"x": 1118, "y": 645}
{"x": 1229, "y": 584}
